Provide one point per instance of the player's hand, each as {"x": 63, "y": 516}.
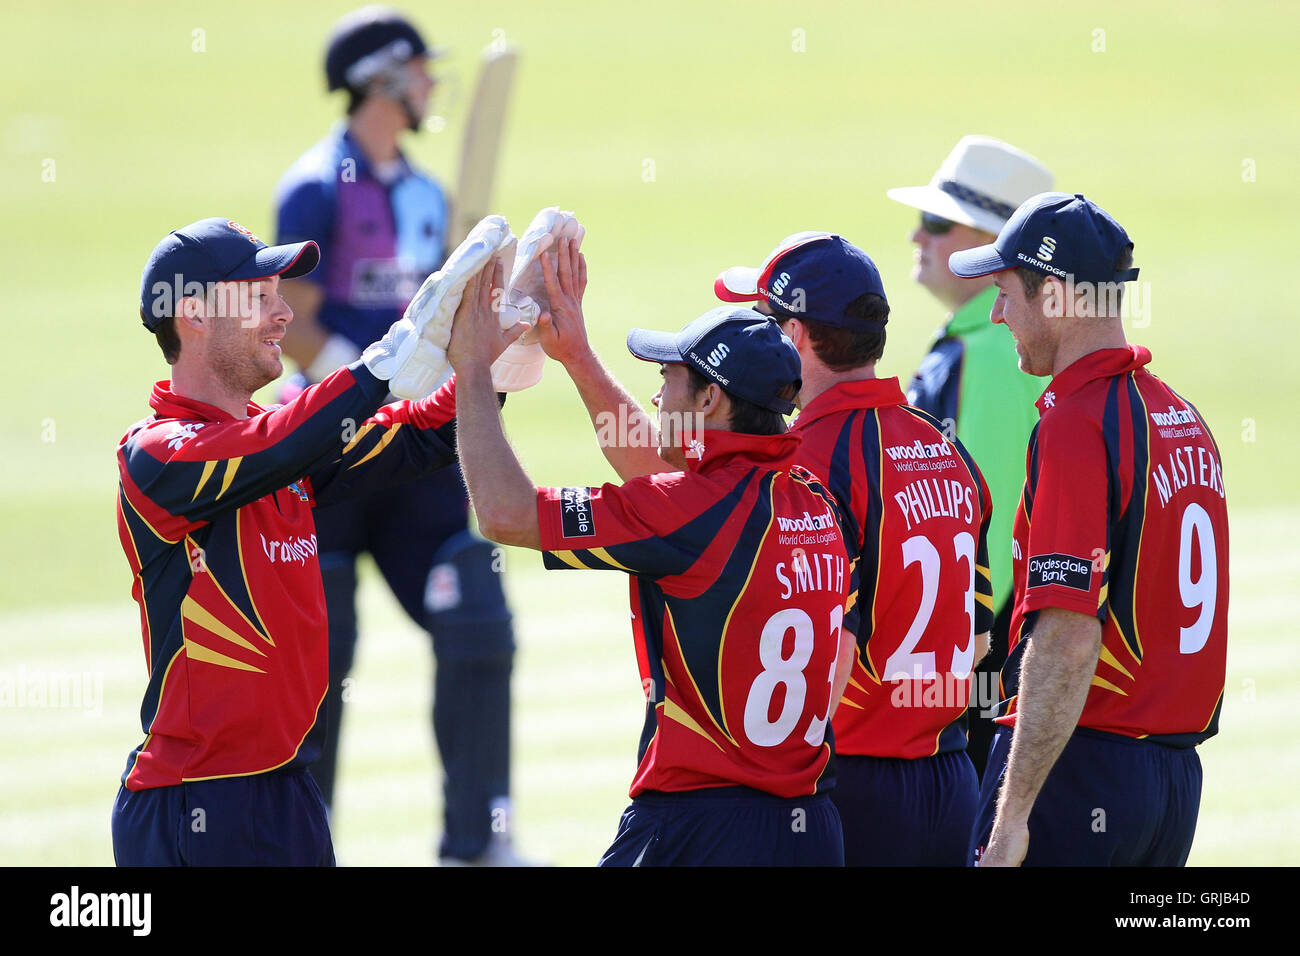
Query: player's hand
{"x": 477, "y": 338}
{"x": 412, "y": 357}
{"x": 1008, "y": 844}
{"x": 561, "y": 329}
{"x": 549, "y": 227}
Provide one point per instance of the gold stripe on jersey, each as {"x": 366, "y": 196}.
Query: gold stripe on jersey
{"x": 138, "y": 574}
{"x": 744, "y": 589}
{"x": 1107, "y": 685}
{"x": 672, "y": 628}
{"x": 197, "y": 652}
{"x": 264, "y": 631}
{"x": 162, "y": 689}
{"x": 160, "y": 537}
{"x": 865, "y": 655}
{"x": 232, "y": 466}
{"x": 379, "y": 446}
{"x": 193, "y": 611}
{"x": 673, "y": 711}
{"x": 209, "y": 467}
{"x": 853, "y": 683}
{"x": 261, "y": 632}
{"x": 849, "y": 603}
{"x": 249, "y": 773}
{"x": 607, "y": 557}
{"x": 985, "y": 599}
{"x": 1139, "y": 496}
{"x": 569, "y": 558}
{"x": 1108, "y": 658}
{"x": 849, "y": 703}
{"x": 1218, "y": 701}
{"x": 361, "y": 433}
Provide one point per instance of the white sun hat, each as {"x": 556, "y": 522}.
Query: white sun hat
{"x": 980, "y": 184}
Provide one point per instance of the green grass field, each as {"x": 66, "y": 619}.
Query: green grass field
{"x": 689, "y": 137}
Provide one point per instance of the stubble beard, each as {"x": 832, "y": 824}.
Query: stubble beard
{"x": 236, "y": 370}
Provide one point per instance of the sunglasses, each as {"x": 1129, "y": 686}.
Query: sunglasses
{"x": 935, "y": 225}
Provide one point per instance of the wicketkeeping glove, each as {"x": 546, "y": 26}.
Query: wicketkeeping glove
{"x": 412, "y": 356}
{"x": 522, "y": 363}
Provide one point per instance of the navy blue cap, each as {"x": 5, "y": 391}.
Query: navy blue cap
{"x": 365, "y": 43}
{"x": 213, "y": 250}
{"x": 1057, "y": 234}
{"x": 742, "y": 350}
{"x": 809, "y": 275}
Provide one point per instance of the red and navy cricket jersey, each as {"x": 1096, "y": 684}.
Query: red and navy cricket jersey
{"x": 215, "y": 517}
{"x": 916, "y": 513}
{"x": 1124, "y": 516}
{"x": 739, "y": 577}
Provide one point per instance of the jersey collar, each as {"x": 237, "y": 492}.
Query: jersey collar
{"x": 973, "y": 314}
{"x": 167, "y": 404}
{"x": 846, "y": 396}
{"x": 719, "y": 449}
{"x": 1104, "y": 363}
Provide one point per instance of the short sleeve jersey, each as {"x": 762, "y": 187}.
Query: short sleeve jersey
{"x": 916, "y": 514}
{"x": 738, "y": 580}
{"x": 1124, "y": 517}
{"x": 379, "y": 237}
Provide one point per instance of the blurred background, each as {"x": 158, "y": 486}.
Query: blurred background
{"x": 688, "y": 136}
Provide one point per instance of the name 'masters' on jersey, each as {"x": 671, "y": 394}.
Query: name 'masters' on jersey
{"x": 214, "y": 514}
{"x": 1124, "y": 517}
{"x": 916, "y": 514}
{"x": 739, "y": 576}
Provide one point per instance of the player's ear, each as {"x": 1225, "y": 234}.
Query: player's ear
{"x": 793, "y": 330}
{"x": 712, "y": 399}
{"x": 191, "y": 311}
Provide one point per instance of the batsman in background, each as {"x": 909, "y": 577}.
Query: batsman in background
{"x": 382, "y": 226}
{"x": 969, "y": 381}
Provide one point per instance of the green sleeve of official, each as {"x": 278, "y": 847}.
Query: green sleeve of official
{"x": 995, "y": 414}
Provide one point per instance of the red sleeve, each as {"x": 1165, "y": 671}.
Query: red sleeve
{"x": 432, "y": 411}
{"x": 1069, "y": 527}
{"x": 626, "y": 528}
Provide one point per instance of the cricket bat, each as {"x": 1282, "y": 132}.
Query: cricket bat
{"x": 482, "y": 140}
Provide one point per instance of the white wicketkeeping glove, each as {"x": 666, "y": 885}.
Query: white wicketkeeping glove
{"x": 412, "y": 356}
{"x": 522, "y": 363}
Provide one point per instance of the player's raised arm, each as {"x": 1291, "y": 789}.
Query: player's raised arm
{"x": 501, "y": 493}
{"x": 615, "y": 414}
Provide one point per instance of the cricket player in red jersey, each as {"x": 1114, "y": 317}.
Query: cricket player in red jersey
{"x": 738, "y": 580}
{"x": 1120, "y": 562}
{"x": 916, "y": 512}
{"x": 215, "y": 517}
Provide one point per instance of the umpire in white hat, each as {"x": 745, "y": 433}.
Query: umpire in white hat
{"x": 970, "y": 380}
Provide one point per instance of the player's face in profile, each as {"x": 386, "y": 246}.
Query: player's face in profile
{"x": 1029, "y": 325}
{"x": 676, "y": 406}
{"x": 930, "y": 257}
{"x": 251, "y": 317}
{"x": 419, "y": 84}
